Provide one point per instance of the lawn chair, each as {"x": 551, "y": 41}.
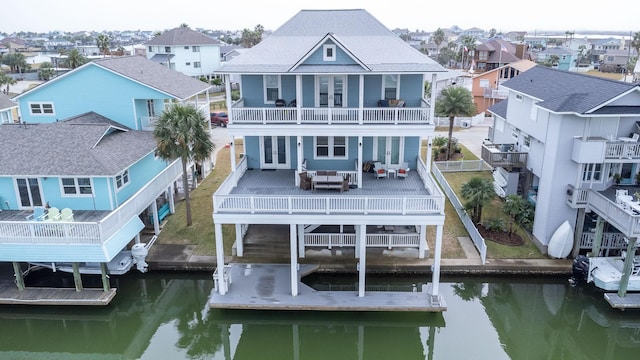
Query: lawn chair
{"x": 53, "y": 214}
{"x": 403, "y": 170}
{"x": 379, "y": 171}
{"x": 66, "y": 215}
{"x": 38, "y": 214}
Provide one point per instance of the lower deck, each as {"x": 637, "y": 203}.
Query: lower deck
{"x": 629, "y": 301}
{"x": 268, "y": 287}
{"x": 10, "y": 295}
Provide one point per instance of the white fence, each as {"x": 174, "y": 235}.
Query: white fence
{"x": 463, "y": 122}
{"x": 477, "y": 239}
{"x": 389, "y": 241}
{"x": 459, "y": 166}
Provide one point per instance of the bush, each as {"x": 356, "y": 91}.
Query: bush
{"x": 235, "y": 95}
{"x": 495, "y": 224}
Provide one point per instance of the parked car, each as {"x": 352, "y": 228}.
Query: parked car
{"x": 219, "y": 118}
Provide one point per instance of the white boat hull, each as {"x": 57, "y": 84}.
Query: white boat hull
{"x": 499, "y": 190}
{"x": 120, "y": 265}
{"x": 561, "y": 241}
{"x": 606, "y": 272}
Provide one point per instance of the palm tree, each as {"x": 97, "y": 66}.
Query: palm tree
{"x": 514, "y": 206}
{"x": 103, "y": 43}
{"x": 180, "y": 133}
{"x": 454, "y": 101}
{"x": 477, "y": 191}
{"x": 438, "y": 37}
{"x": 6, "y": 80}
{"x": 75, "y": 59}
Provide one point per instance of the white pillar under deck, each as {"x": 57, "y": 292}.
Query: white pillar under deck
{"x": 423, "y": 241}
{"x": 293, "y": 240}
{"x": 362, "y": 238}
{"x": 299, "y": 99}
{"x": 222, "y": 286}
{"x": 301, "y": 241}
{"x": 232, "y": 153}
{"x": 427, "y": 161}
{"x": 137, "y": 238}
{"x": 300, "y": 156}
{"x": 172, "y": 202}
{"x": 435, "y": 281}
{"x": 359, "y": 169}
{"x": 239, "y": 244}
{"x": 156, "y": 223}
{"x": 227, "y": 88}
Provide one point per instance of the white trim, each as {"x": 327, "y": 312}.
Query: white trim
{"x": 17, "y": 192}
{"x": 124, "y": 183}
{"x": 76, "y": 186}
{"x": 384, "y": 77}
{"x": 325, "y": 50}
{"x": 274, "y": 148}
{"x": 264, "y": 88}
{"x": 331, "y": 147}
{"x": 40, "y": 105}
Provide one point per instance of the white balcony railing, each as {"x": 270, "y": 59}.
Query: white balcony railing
{"x": 624, "y": 220}
{"x": 389, "y": 241}
{"x": 354, "y": 116}
{"x": 89, "y": 233}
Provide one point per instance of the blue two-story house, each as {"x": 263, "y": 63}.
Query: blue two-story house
{"x": 335, "y": 126}
{"x": 80, "y": 178}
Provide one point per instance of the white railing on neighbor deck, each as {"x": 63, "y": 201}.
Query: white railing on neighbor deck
{"x": 388, "y": 241}
{"x": 477, "y": 239}
{"x": 624, "y": 220}
{"x": 89, "y": 233}
{"x": 224, "y": 201}
{"x": 466, "y": 165}
{"x": 610, "y": 241}
{"x": 364, "y": 116}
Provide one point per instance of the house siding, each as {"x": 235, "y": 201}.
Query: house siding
{"x": 342, "y": 58}
{"x": 140, "y": 174}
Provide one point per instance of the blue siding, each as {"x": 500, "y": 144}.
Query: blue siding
{"x": 90, "y": 89}
{"x": 252, "y": 90}
{"x": 372, "y": 90}
{"x": 411, "y": 89}
{"x": 52, "y": 192}
{"x": 342, "y": 58}
{"x": 140, "y": 174}
{"x": 8, "y": 194}
{"x": 353, "y": 87}
{"x": 411, "y": 150}
{"x": 308, "y": 91}
{"x": 252, "y": 149}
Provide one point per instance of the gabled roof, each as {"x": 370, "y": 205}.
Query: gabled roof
{"x": 362, "y": 35}
{"x": 563, "y": 91}
{"x": 182, "y": 36}
{"x": 6, "y": 103}
{"x": 556, "y": 51}
{"x": 85, "y": 145}
{"x": 141, "y": 70}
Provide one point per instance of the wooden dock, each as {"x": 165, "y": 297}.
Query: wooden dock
{"x": 629, "y": 301}
{"x": 268, "y": 287}
{"x": 10, "y": 295}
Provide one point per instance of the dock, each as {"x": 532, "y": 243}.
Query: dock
{"x": 629, "y": 301}
{"x": 268, "y": 287}
{"x": 10, "y": 295}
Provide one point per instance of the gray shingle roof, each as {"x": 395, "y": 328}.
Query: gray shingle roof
{"x": 181, "y": 37}
{"x": 361, "y": 34}
{"x": 563, "y": 91}
{"x": 154, "y": 75}
{"x": 6, "y": 103}
{"x": 500, "y": 108}
{"x": 86, "y": 145}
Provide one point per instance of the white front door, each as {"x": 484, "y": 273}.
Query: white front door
{"x": 29, "y": 193}
{"x": 275, "y": 152}
{"x": 389, "y": 150}
{"x": 330, "y": 90}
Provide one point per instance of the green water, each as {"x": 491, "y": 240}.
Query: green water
{"x": 164, "y": 316}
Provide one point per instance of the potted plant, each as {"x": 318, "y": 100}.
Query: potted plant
{"x": 617, "y": 178}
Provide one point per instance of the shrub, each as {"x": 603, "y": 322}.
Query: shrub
{"x": 495, "y": 224}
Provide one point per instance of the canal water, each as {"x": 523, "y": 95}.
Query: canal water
{"x": 164, "y": 316}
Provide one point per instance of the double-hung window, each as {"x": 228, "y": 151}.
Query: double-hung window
{"x": 330, "y": 147}
{"x": 592, "y": 173}
{"x": 195, "y": 48}
{"x": 271, "y": 88}
{"x": 45, "y": 108}
{"x": 76, "y": 186}
{"x": 122, "y": 179}
{"x": 390, "y": 87}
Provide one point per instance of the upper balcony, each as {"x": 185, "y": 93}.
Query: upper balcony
{"x": 600, "y": 150}
{"x": 275, "y": 193}
{"x": 502, "y": 155}
{"x": 90, "y": 231}
{"x": 241, "y": 115}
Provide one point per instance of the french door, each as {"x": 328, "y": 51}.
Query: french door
{"x": 29, "y": 192}
{"x": 330, "y": 90}
{"x": 389, "y": 150}
{"x": 274, "y": 152}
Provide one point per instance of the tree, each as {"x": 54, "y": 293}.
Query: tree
{"x": 46, "y": 71}
{"x": 75, "y": 59}
{"x": 454, "y": 101}
{"x": 16, "y": 62}
{"x": 438, "y": 37}
{"x": 103, "y": 42}
{"x": 477, "y": 191}
{"x": 518, "y": 210}
{"x": 6, "y": 80}
{"x": 184, "y": 25}
{"x": 180, "y": 133}
{"x": 635, "y": 43}
{"x": 492, "y": 32}
{"x": 252, "y": 38}
{"x": 468, "y": 42}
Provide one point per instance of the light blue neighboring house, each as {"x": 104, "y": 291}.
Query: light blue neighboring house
{"x": 7, "y": 107}
{"x": 333, "y": 90}
{"x": 85, "y": 144}
{"x": 567, "y": 59}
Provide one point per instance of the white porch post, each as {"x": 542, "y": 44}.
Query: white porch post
{"x": 435, "y": 281}
{"x": 239, "y": 244}
{"x": 300, "y": 157}
{"x": 301, "y": 241}
{"x": 298, "y": 99}
{"x": 232, "y": 153}
{"x": 172, "y": 203}
{"x": 156, "y": 223}
{"x": 293, "y": 240}
{"x": 222, "y": 286}
{"x": 432, "y": 108}
{"x": 227, "y": 88}
{"x": 360, "y": 99}
{"x": 427, "y": 161}
{"x": 423, "y": 241}
{"x": 362, "y": 238}
{"x": 359, "y": 169}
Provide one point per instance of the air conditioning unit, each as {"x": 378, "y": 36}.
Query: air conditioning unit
{"x": 465, "y": 124}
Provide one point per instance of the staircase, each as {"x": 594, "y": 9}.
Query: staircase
{"x": 266, "y": 243}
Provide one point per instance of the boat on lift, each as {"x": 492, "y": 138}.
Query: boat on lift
{"x": 606, "y": 272}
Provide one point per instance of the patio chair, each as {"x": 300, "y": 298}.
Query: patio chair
{"x": 66, "y": 214}
{"x": 53, "y": 214}
{"x": 38, "y": 214}
{"x": 403, "y": 170}
{"x": 379, "y": 171}
{"x": 305, "y": 181}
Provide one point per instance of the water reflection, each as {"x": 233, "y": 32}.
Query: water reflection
{"x": 165, "y": 316}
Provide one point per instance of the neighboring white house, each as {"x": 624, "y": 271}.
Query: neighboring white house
{"x": 567, "y": 141}
{"x": 187, "y": 51}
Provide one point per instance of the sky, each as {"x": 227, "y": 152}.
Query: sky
{"x": 158, "y": 15}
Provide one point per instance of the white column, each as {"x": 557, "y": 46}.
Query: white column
{"x": 293, "y": 240}
{"x": 301, "y": 241}
{"x": 137, "y": 239}
{"x": 298, "y": 99}
{"x": 362, "y": 238}
{"x": 427, "y": 161}
{"x": 172, "y": 203}
{"x": 423, "y": 241}
{"x": 359, "y": 169}
{"x": 156, "y": 223}
{"x": 435, "y": 281}
{"x": 239, "y": 244}
{"x": 222, "y": 287}
{"x": 432, "y": 108}
{"x": 360, "y": 98}
{"x": 227, "y": 88}
{"x": 357, "y": 247}
{"x": 232, "y": 153}
{"x": 300, "y": 156}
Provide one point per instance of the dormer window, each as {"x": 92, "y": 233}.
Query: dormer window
{"x": 329, "y": 53}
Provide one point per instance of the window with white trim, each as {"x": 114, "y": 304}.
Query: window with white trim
{"x": 167, "y": 49}
{"x": 519, "y": 97}
{"x": 515, "y": 133}
{"x": 195, "y": 48}
{"x": 330, "y": 147}
{"x": 527, "y": 141}
{"x": 329, "y": 52}
{"x": 196, "y": 64}
{"x": 150, "y": 49}
{"x": 122, "y": 179}
{"x": 76, "y": 186}
{"x": 271, "y": 88}
{"x": 484, "y": 83}
{"x": 390, "y": 87}
{"x": 592, "y": 173}
{"x": 186, "y": 47}
{"x": 45, "y": 108}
